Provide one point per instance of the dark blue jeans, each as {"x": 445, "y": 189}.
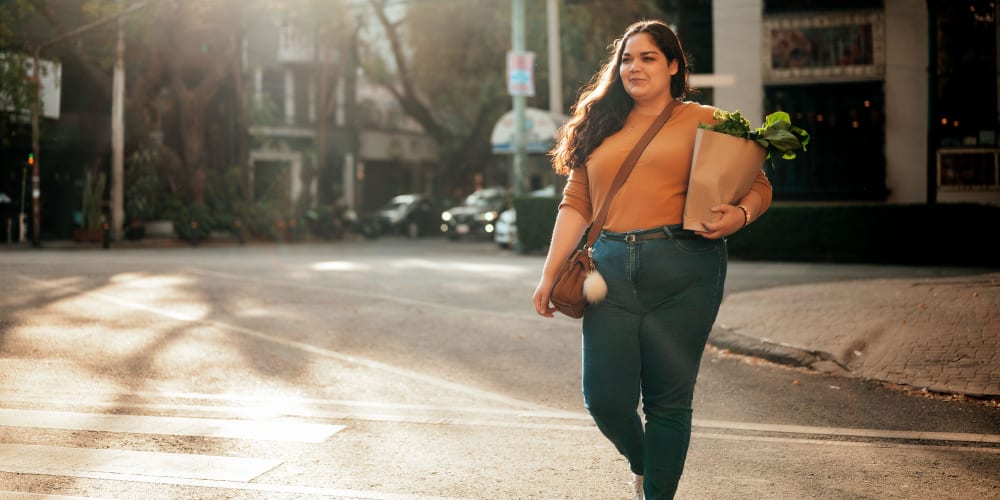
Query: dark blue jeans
{"x": 647, "y": 337}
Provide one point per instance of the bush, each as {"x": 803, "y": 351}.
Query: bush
{"x": 535, "y": 218}
{"x": 938, "y": 235}
{"x": 193, "y": 222}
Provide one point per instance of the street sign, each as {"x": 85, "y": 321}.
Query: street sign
{"x": 520, "y": 76}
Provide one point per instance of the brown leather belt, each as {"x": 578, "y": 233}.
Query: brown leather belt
{"x": 659, "y": 233}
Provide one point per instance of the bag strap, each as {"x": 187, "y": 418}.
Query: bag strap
{"x": 626, "y": 168}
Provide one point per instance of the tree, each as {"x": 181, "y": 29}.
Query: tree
{"x": 16, "y": 91}
{"x": 448, "y": 71}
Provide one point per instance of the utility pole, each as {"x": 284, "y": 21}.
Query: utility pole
{"x": 519, "y": 100}
{"x": 118, "y": 135}
{"x": 555, "y": 71}
{"x": 555, "y": 57}
{"x": 36, "y": 191}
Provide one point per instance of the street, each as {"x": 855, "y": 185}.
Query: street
{"x": 405, "y": 369}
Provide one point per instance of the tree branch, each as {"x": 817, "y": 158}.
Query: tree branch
{"x": 99, "y": 77}
{"x": 407, "y": 97}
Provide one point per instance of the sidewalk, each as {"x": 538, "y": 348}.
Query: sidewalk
{"x": 939, "y": 334}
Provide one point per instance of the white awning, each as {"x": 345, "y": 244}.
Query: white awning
{"x": 540, "y": 129}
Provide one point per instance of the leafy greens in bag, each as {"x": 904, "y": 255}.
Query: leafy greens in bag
{"x": 778, "y": 136}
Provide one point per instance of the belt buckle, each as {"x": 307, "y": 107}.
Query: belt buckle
{"x": 630, "y": 238}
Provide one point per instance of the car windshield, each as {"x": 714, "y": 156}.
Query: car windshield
{"x": 485, "y": 199}
{"x": 398, "y": 202}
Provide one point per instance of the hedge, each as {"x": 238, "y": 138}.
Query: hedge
{"x": 913, "y": 234}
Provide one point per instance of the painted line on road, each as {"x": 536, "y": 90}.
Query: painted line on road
{"x": 850, "y": 432}
{"x": 528, "y": 315}
{"x": 333, "y": 409}
{"x": 472, "y": 392}
{"x": 64, "y": 461}
{"x": 21, "y": 495}
{"x": 309, "y": 491}
{"x": 826, "y": 442}
{"x": 301, "y": 432}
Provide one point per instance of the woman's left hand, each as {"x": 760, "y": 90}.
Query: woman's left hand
{"x": 732, "y": 220}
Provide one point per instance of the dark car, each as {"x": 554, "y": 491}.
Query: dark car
{"x": 476, "y": 216}
{"x": 412, "y": 215}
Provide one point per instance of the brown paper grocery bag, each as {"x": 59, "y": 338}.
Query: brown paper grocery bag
{"x": 723, "y": 169}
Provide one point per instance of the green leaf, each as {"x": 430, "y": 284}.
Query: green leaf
{"x": 777, "y": 117}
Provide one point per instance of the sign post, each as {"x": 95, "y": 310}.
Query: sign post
{"x": 520, "y": 84}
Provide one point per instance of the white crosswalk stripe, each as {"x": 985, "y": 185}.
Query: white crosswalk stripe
{"x": 162, "y": 468}
{"x": 178, "y": 426}
{"x": 65, "y": 461}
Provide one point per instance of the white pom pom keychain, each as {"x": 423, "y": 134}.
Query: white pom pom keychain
{"x": 594, "y": 286}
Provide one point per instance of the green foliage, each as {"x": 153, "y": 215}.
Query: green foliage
{"x": 194, "y": 221}
{"x": 536, "y": 216}
{"x": 224, "y": 197}
{"x": 93, "y": 196}
{"x": 778, "y": 136}
{"x": 729, "y": 123}
{"x": 260, "y": 220}
{"x": 143, "y": 190}
{"x": 264, "y": 112}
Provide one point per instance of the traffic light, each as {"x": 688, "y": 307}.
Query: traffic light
{"x": 31, "y": 159}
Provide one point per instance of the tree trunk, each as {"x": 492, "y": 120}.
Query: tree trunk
{"x": 193, "y": 145}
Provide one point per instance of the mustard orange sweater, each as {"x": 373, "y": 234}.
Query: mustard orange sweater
{"x": 654, "y": 193}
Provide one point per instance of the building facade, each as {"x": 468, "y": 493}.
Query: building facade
{"x": 308, "y": 98}
{"x": 900, "y": 96}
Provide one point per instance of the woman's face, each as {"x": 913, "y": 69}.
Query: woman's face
{"x": 644, "y": 69}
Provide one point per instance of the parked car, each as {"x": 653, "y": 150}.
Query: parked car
{"x": 476, "y": 216}
{"x": 413, "y": 215}
{"x": 505, "y": 233}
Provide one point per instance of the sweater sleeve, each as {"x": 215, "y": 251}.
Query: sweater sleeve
{"x": 762, "y": 187}
{"x": 576, "y": 194}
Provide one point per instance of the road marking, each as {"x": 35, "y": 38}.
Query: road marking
{"x": 334, "y": 409}
{"x": 20, "y": 495}
{"x": 63, "y": 461}
{"x": 851, "y": 432}
{"x": 826, "y": 442}
{"x": 473, "y": 392}
{"x": 177, "y": 426}
{"x": 528, "y": 315}
{"x": 231, "y": 485}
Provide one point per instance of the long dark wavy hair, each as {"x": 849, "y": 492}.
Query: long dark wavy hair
{"x": 603, "y": 104}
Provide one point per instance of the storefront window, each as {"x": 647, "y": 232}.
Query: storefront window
{"x": 965, "y": 73}
{"x": 845, "y": 159}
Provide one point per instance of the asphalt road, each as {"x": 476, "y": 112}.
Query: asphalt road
{"x": 411, "y": 369}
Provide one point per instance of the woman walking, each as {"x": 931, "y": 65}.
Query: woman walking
{"x": 644, "y": 340}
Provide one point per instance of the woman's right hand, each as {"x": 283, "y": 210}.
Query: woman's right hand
{"x": 566, "y": 234}
{"x": 541, "y": 298}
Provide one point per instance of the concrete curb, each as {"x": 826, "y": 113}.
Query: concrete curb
{"x": 776, "y": 352}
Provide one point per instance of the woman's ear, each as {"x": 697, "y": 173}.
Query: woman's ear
{"x": 673, "y": 66}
